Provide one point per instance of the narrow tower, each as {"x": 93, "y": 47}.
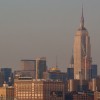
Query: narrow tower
{"x": 82, "y": 51}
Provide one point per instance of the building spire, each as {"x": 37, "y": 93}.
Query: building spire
{"x": 82, "y": 19}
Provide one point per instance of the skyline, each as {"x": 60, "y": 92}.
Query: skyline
{"x": 45, "y": 28}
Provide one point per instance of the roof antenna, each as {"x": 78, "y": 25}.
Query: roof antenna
{"x": 82, "y": 19}
{"x": 56, "y": 62}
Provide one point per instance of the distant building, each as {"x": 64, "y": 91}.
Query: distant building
{"x": 69, "y": 95}
{"x": 40, "y": 67}
{"x": 33, "y": 68}
{"x": 70, "y": 73}
{"x": 82, "y": 52}
{"x": 28, "y": 65}
{"x": 70, "y": 70}
{"x": 74, "y": 85}
{"x": 83, "y": 96}
{"x": 55, "y": 74}
{"x": 94, "y": 85}
{"x": 93, "y": 71}
{"x": 6, "y": 92}
{"x": 1, "y": 78}
{"x": 7, "y": 72}
{"x": 24, "y": 73}
{"x": 72, "y": 62}
{"x": 97, "y": 95}
{"x": 29, "y": 89}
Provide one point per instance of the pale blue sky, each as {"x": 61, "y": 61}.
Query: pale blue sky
{"x": 35, "y": 28}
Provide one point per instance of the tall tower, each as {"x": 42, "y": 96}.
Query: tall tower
{"x": 82, "y": 52}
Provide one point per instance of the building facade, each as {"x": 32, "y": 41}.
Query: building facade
{"x": 55, "y": 74}
{"x": 24, "y": 73}
{"x": 38, "y": 90}
{"x": 6, "y": 92}
{"x": 61, "y": 76}
{"x": 97, "y": 95}
{"x": 7, "y": 73}
{"x": 1, "y": 79}
{"x": 70, "y": 73}
{"x": 93, "y": 71}
{"x": 33, "y": 68}
{"x": 83, "y": 96}
{"x": 40, "y": 67}
{"x": 28, "y": 64}
{"x": 74, "y": 85}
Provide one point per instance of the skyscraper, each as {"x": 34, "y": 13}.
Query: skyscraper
{"x": 40, "y": 67}
{"x": 82, "y": 52}
{"x": 32, "y": 68}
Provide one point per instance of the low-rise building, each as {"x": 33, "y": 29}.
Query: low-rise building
{"x": 6, "y": 92}
{"x": 96, "y": 95}
{"x": 83, "y": 96}
{"x": 29, "y": 89}
{"x": 75, "y": 85}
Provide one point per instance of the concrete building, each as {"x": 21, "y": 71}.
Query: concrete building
{"x": 6, "y": 92}
{"x": 29, "y": 89}
{"x": 82, "y": 52}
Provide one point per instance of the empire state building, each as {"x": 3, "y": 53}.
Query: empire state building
{"x": 82, "y": 52}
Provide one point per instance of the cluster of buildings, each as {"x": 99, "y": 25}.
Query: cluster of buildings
{"x": 36, "y": 82}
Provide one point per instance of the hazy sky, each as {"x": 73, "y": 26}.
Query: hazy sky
{"x": 35, "y": 28}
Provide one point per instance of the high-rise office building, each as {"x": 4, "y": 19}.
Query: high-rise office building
{"x": 7, "y": 72}
{"x": 82, "y": 52}
{"x": 28, "y": 69}
{"x": 40, "y": 67}
{"x": 32, "y": 68}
